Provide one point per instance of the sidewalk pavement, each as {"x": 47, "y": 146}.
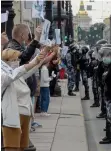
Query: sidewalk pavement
{"x": 64, "y": 130}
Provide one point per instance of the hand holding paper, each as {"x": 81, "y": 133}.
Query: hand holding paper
{"x": 45, "y": 32}
{"x": 53, "y": 75}
{"x": 38, "y": 33}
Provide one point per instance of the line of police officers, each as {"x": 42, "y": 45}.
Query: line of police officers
{"x": 98, "y": 68}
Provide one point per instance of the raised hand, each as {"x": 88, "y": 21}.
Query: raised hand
{"x": 38, "y": 32}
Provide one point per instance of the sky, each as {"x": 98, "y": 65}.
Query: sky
{"x": 100, "y": 9}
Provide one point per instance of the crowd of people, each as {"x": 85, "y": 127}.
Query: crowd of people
{"x": 29, "y": 73}
{"x": 94, "y": 63}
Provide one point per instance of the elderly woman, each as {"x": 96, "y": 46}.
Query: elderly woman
{"x": 16, "y": 100}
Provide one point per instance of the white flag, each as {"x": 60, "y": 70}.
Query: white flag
{"x": 58, "y": 37}
{"x": 45, "y": 32}
{"x": 4, "y": 17}
{"x": 38, "y": 9}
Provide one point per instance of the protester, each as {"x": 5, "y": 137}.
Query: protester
{"x": 53, "y": 66}
{"x": 32, "y": 83}
{"x": 20, "y": 35}
{"x": 16, "y": 101}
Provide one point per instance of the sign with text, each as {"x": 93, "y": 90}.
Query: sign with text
{"x": 38, "y": 9}
{"x": 45, "y": 32}
{"x": 58, "y": 36}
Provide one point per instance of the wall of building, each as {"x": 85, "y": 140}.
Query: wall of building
{"x": 23, "y": 11}
{"x": 106, "y": 33}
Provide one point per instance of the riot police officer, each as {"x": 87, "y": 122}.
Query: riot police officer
{"x": 84, "y": 70}
{"x": 93, "y": 73}
{"x": 106, "y": 53}
{"x": 70, "y": 70}
{"x": 101, "y": 69}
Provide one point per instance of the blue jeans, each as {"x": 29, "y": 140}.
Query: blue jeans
{"x": 45, "y": 98}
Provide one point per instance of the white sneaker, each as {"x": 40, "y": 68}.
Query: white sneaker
{"x": 45, "y": 114}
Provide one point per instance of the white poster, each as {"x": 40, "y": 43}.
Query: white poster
{"x": 64, "y": 50}
{"x": 38, "y": 9}
{"x": 58, "y": 37}
{"x": 45, "y": 32}
{"x": 4, "y": 17}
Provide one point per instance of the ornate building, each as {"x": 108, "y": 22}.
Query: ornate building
{"x": 82, "y": 19}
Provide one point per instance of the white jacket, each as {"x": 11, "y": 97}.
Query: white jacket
{"x": 16, "y": 99}
{"x": 45, "y": 79}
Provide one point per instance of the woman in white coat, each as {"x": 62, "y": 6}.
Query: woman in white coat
{"x": 16, "y": 101}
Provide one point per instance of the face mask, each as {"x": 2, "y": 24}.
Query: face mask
{"x": 107, "y": 60}
{"x": 13, "y": 64}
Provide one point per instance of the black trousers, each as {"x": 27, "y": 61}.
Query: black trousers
{"x": 85, "y": 82}
{"x": 77, "y": 78}
{"x": 53, "y": 82}
{"x": 108, "y": 129}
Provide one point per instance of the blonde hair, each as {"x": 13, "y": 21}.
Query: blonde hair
{"x": 18, "y": 29}
{"x": 10, "y": 54}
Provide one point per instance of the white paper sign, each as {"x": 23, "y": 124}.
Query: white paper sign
{"x": 38, "y": 9}
{"x": 64, "y": 50}
{"x": 58, "y": 37}
{"x": 4, "y": 17}
{"x": 45, "y": 32}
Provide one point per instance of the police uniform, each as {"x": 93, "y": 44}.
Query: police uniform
{"x": 84, "y": 71}
{"x": 70, "y": 72}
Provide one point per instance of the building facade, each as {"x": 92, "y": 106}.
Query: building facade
{"x": 23, "y": 11}
{"x": 106, "y": 32}
{"x": 81, "y": 20}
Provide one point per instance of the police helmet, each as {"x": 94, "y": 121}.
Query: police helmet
{"x": 84, "y": 49}
{"x": 105, "y": 51}
{"x": 100, "y": 43}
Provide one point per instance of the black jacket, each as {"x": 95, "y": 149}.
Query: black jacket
{"x": 26, "y": 53}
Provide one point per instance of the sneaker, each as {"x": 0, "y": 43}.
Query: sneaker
{"x": 32, "y": 129}
{"x": 36, "y": 125}
{"x": 45, "y": 114}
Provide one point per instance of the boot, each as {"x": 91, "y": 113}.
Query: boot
{"x": 70, "y": 93}
{"x": 76, "y": 89}
{"x": 95, "y": 105}
{"x": 108, "y": 141}
{"x": 101, "y": 115}
{"x": 85, "y": 98}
